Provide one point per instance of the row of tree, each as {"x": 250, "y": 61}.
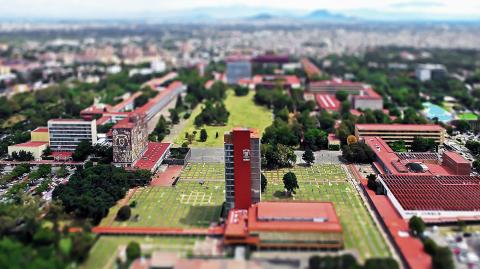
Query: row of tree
{"x": 101, "y": 186}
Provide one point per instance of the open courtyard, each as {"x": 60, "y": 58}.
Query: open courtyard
{"x": 329, "y": 183}
{"x": 188, "y": 204}
{"x": 243, "y": 113}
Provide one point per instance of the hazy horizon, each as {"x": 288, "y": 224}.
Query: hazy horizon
{"x": 111, "y": 9}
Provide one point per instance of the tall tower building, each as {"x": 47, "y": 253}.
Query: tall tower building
{"x": 242, "y": 168}
{"x": 130, "y": 140}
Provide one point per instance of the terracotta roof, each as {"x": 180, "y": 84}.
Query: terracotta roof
{"x": 369, "y": 93}
{"x": 399, "y": 127}
{"x": 410, "y": 247}
{"x": 40, "y": 130}
{"x": 310, "y": 69}
{"x": 152, "y": 155}
{"x": 327, "y": 101}
{"x": 173, "y": 86}
{"x": 456, "y": 157}
{"x": 125, "y": 102}
{"x": 293, "y": 216}
{"x": 395, "y": 164}
{"x": 31, "y": 144}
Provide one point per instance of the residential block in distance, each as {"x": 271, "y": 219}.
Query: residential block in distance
{"x": 242, "y": 168}
{"x": 66, "y": 134}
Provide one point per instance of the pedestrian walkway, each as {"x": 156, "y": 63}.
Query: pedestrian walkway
{"x": 167, "y": 177}
{"x": 109, "y": 230}
{"x": 410, "y": 248}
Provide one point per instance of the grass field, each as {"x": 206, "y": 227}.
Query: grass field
{"x": 204, "y": 171}
{"x": 187, "y": 204}
{"x": 468, "y": 116}
{"x": 328, "y": 183}
{"x": 243, "y": 113}
{"x": 103, "y": 253}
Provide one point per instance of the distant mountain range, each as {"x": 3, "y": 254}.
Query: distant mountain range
{"x": 239, "y": 13}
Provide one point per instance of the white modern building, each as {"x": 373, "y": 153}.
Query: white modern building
{"x": 66, "y": 134}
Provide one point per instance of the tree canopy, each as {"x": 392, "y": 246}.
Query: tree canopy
{"x": 290, "y": 182}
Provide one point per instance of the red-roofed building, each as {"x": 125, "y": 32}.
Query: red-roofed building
{"x": 159, "y": 102}
{"x": 434, "y": 198}
{"x": 423, "y": 185}
{"x": 285, "y": 224}
{"x": 40, "y": 134}
{"x": 367, "y": 99}
{"x": 458, "y": 164}
{"x": 410, "y": 248}
{"x": 36, "y": 148}
{"x": 153, "y": 156}
{"x": 311, "y": 69}
{"x": 405, "y": 132}
{"x": 327, "y": 102}
{"x": 62, "y": 156}
{"x": 272, "y": 82}
{"x": 158, "y": 83}
{"x": 361, "y": 95}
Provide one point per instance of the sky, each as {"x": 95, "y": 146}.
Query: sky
{"x": 106, "y": 8}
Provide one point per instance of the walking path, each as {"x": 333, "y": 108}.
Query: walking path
{"x": 167, "y": 177}
{"x": 108, "y": 230}
{"x": 410, "y": 248}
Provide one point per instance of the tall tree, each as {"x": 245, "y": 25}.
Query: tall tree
{"x": 290, "y": 182}
{"x": 416, "y": 225}
{"x": 308, "y": 157}
{"x": 203, "y": 135}
{"x": 263, "y": 182}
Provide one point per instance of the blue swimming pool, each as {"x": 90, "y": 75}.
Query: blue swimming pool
{"x": 434, "y": 111}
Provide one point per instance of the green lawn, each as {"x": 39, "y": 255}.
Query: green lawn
{"x": 104, "y": 252}
{"x": 328, "y": 183}
{"x": 187, "y": 204}
{"x": 243, "y": 113}
{"x": 204, "y": 171}
{"x": 468, "y": 116}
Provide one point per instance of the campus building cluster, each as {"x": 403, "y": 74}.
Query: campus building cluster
{"x": 360, "y": 95}
{"x": 401, "y": 132}
{"x": 128, "y": 136}
{"x": 270, "y": 224}
{"x": 439, "y": 188}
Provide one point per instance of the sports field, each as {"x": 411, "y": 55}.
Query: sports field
{"x": 187, "y": 204}
{"x": 468, "y": 116}
{"x": 243, "y": 113}
{"x": 328, "y": 183}
{"x": 103, "y": 253}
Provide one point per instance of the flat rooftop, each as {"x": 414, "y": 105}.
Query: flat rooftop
{"x": 40, "y": 130}
{"x": 399, "y": 127}
{"x": 435, "y": 193}
{"x": 31, "y": 144}
{"x": 294, "y": 217}
{"x": 396, "y": 163}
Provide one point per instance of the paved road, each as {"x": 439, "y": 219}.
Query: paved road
{"x": 207, "y": 155}
{"x": 216, "y": 155}
{"x": 322, "y": 156}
